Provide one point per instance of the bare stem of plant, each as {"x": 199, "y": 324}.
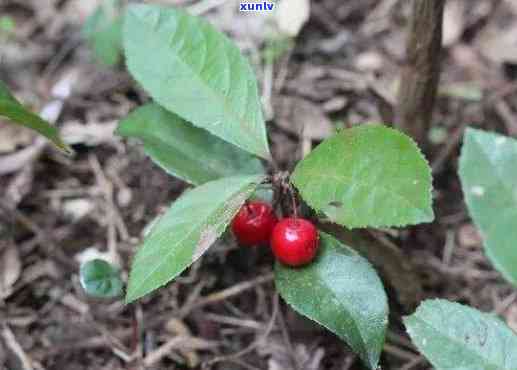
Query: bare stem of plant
{"x": 421, "y": 71}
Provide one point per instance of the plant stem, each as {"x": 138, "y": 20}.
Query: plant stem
{"x": 293, "y": 201}
{"x": 421, "y": 71}
{"x": 247, "y": 205}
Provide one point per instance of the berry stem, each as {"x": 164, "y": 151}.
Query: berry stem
{"x": 247, "y": 206}
{"x": 293, "y": 200}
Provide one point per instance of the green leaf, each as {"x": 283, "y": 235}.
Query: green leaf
{"x": 103, "y": 31}
{"x": 489, "y": 181}
{"x": 12, "y": 109}
{"x": 342, "y": 292}
{"x": 184, "y": 151}
{"x": 100, "y": 279}
{"x": 369, "y": 175}
{"x": 196, "y": 72}
{"x": 457, "y": 337}
{"x": 186, "y": 231}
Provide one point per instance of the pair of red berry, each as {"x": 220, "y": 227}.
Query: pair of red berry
{"x": 294, "y": 241}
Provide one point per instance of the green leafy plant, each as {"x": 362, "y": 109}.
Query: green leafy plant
{"x": 205, "y": 126}
{"x": 489, "y": 182}
{"x": 17, "y": 113}
{"x": 183, "y": 150}
{"x": 100, "y": 279}
{"x": 454, "y": 337}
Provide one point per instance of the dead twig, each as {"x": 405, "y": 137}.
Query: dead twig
{"x": 254, "y": 344}
{"x": 178, "y": 342}
{"x": 233, "y": 291}
{"x": 15, "y": 347}
{"x": 508, "y": 117}
{"x": 112, "y": 213}
{"x": 10, "y": 163}
{"x": 452, "y": 143}
{"x": 288, "y": 343}
{"x": 228, "y": 320}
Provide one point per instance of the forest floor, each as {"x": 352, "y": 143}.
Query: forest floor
{"x": 342, "y": 69}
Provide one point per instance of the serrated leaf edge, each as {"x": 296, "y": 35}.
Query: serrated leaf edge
{"x": 246, "y": 192}
{"x": 264, "y": 152}
{"x": 391, "y": 225}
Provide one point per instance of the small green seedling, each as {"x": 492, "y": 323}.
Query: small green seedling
{"x": 100, "y": 279}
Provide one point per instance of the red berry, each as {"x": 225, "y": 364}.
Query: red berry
{"x": 254, "y": 223}
{"x": 295, "y": 241}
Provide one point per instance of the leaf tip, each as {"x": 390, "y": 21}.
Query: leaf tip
{"x": 65, "y": 148}
{"x": 373, "y": 361}
{"x": 129, "y": 299}
{"x": 132, "y": 295}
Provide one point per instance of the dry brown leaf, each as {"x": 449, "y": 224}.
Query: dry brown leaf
{"x": 10, "y": 163}
{"x": 291, "y": 15}
{"x": 78, "y": 208}
{"x": 499, "y": 43}
{"x": 15, "y": 349}
{"x": 91, "y": 134}
{"x": 45, "y": 268}
{"x": 10, "y": 270}
{"x": 178, "y": 327}
{"x": 369, "y": 61}
{"x": 13, "y": 136}
{"x": 281, "y": 359}
{"x": 20, "y": 185}
{"x": 453, "y": 22}
{"x": 299, "y": 116}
